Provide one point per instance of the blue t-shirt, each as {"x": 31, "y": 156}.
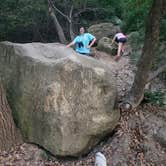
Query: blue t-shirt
{"x": 82, "y": 41}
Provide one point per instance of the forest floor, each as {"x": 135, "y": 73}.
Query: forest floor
{"x": 136, "y": 141}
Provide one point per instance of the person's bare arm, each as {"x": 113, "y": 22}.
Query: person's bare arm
{"x": 70, "y": 44}
{"x": 91, "y": 44}
{"x": 113, "y": 40}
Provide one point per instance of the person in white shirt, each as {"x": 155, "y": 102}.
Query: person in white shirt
{"x": 121, "y": 39}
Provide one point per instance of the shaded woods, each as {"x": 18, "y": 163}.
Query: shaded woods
{"x": 27, "y": 21}
{"x": 53, "y": 21}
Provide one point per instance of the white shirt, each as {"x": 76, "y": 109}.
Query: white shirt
{"x": 120, "y": 35}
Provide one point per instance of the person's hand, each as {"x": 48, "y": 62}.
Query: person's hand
{"x": 88, "y": 46}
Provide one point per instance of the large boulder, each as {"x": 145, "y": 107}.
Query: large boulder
{"x": 103, "y": 30}
{"x": 104, "y": 45}
{"x": 60, "y": 100}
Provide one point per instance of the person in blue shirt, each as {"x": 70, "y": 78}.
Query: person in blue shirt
{"x": 83, "y": 42}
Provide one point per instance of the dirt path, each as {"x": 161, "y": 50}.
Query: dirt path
{"x": 133, "y": 144}
{"x": 123, "y": 70}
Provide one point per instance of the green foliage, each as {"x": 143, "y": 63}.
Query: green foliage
{"x": 115, "y": 7}
{"x": 19, "y": 17}
{"x": 28, "y": 20}
{"x": 163, "y": 29}
{"x": 136, "y": 14}
{"x": 156, "y": 97}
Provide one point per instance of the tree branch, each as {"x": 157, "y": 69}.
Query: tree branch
{"x": 87, "y": 9}
{"x": 71, "y": 11}
{"x": 70, "y": 22}
{"x": 85, "y": 4}
{"x": 154, "y": 74}
{"x": 57, "y": 24}
{"x": 70, "y": 14}
{"x": 64, "y": 15}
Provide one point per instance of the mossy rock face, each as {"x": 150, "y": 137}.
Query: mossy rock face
{"x": 103, "y": 30}
{"x": 104, "y": 45}
{"x": 62, "y": 101}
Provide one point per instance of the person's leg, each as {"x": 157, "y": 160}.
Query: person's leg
{"x": 123, "y": 47}
{"x": 123, "y": 44}
{"x": 119, "y": 48}
{"x": 119, "y": 51}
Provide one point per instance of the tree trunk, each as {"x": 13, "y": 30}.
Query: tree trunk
{"x": 148, "y": 54}
{"x": 72, "y": 35}
{"x": 58, "y": 27}
{"x": 9, "y": 135}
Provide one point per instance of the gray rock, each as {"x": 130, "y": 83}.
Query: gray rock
{"x": 61, "y": 101}
{"x": 103, "y": 30}
{"x": 104, "y": 45}
{"x": 160, "y": 136}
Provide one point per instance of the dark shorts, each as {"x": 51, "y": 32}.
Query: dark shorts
{"x": 121, "y": 40}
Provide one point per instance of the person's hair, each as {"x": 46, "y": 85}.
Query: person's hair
{"x": 82, "y": 27}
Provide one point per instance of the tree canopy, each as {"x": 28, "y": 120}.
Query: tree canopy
{"x": 28, "y": 20}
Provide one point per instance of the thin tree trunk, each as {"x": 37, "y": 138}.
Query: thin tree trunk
{"x": 69, "y": 18}
{"x": 72, "y": 35}
{"x": 148, "y": 54}
{"x": 58, "y": 28}
{"x": 9, "y": 135}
